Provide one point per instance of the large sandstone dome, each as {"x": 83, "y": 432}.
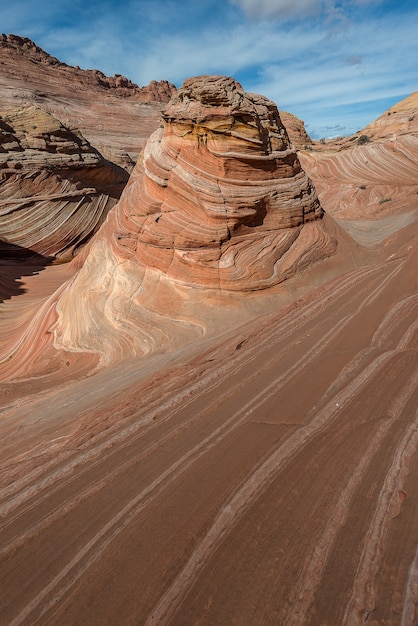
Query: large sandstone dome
{"x": 220, "y": 199}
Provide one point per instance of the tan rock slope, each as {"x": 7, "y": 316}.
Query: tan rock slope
{"x": 401, "y": 119}
{"x": 373, "y": 174}
{"x": 219, "y": 202}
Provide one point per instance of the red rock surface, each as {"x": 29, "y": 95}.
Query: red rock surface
{"x": 112, "y": 113}
{"x": 55, "y": 188}
{"x": 219, "y": 201}
{"x": 267, "y": 475}
{"x": 259, "y": 464}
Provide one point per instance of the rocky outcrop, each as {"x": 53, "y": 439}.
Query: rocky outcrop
{"x": 112, "y": 113}
{"x": 220, "y": 197}
{"x": 372, "y": 174}
{"x": 219, "y": 201}
{"x": 296, "y": 130}
{"x": 55, "y": 188}
{"x": 120, "y": 85}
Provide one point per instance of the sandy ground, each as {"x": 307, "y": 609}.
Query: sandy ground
{"x": 265, "y": 476}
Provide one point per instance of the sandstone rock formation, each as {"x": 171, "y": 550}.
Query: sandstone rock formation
{"x": 374, "y": 173}
{"x": 55, "y": 188}
{"x": 272, "y": 433}
{"x": 218, "y": 201}
{"x": 296, "y": 130}
{"x": 113, "y": 114}
{"x": 220, "y": 198}
{"x": 401, "y": 119}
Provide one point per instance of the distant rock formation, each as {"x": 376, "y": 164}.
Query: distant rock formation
{"x": 374, "y": 173}
{"x": 112, "y": 113}
{"x": 55, "y": 188}
{"x": 218, "y": 201}
{"x": 156, "y": 91}
{"x": 296, "y": 130}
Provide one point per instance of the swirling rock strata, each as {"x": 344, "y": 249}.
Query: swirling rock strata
{"x": 374, "y": 173}
{"x": 220, "y": 198}
{"x": 55, "y": 188}
{"x": 219, "y": 202}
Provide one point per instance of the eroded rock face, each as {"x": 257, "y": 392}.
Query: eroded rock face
{"x": 55, "y": 188}
{"x": 219, "y": 203}
{"x": 114, "y": 114}
{"x": 220, "y": 199}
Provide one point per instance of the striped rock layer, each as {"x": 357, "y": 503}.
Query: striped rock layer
{"x": 55, "y": 188}
{"x": 218, "y": 203}
{"x": 220, "y": 199}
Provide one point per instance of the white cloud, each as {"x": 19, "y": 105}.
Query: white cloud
{"x": 281, "y": 10}
{"x": 278, "y": 9}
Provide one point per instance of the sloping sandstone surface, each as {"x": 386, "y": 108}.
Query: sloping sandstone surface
{"x": 266, "y": 475}
{"x": 372, "y": 175}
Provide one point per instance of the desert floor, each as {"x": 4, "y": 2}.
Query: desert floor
{"x": 263, "y": 475}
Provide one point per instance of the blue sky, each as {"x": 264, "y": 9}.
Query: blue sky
{"x": 336, "y": 64}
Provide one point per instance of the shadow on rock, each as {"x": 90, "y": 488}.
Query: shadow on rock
{"x": 16, "y": 262}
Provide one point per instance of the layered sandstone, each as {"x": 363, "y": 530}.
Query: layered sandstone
{"x": 227, "y": 481}
{"x": 219, "y": 201}
{"x": 220, "y": 198}
{"x": 113, "y": 113}
{"x": 55, "y": 188}
{"x": 373, "y": 174}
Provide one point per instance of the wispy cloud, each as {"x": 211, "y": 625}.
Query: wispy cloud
{"x": 278, "y": 9}
{"x": 333, "y": 63}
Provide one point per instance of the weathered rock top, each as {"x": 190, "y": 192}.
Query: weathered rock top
{"x": 220, "y": 104}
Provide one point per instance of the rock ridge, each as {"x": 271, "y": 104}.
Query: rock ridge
{"x": 160, "y": 91}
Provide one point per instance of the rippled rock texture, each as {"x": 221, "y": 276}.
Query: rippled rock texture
{"x": 220, "y": 199}
{"x": 55, "y": 188}
{"x": 373, "y": 174}
{"x": 218, "y": 202}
